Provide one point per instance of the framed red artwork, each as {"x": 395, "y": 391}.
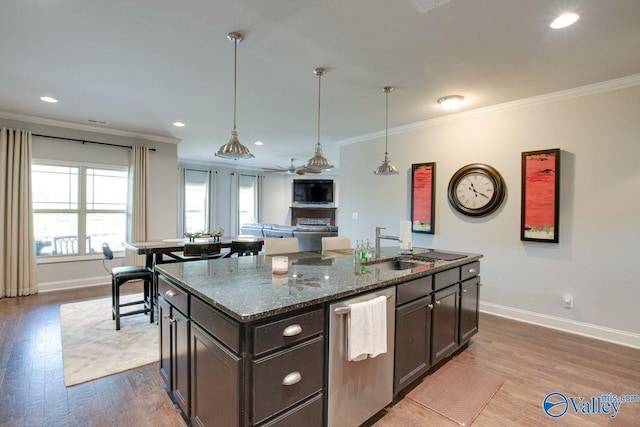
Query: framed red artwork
{"x": 540, "y": 195}
{"x": 423, "y": 188}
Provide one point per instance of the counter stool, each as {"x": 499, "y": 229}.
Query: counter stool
{"x": 245, "y": 248}
{"x": 120, "y": 276}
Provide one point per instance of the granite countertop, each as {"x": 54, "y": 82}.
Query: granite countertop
{"x": 245, "y": 288}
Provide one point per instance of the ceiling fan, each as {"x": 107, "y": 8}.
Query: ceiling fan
{"x": 292, "y": 169}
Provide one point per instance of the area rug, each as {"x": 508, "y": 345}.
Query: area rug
{"x": 91, "y": 346}
{"x": 458, "y": 391}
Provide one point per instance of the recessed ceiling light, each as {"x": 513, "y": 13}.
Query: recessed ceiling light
{"x": 258, "y": 143}
{"x": 179, "y": 124}
{"x": 451, "y": 102}
{"x": 564, "y": 20}
{"x": 48, "y": 99}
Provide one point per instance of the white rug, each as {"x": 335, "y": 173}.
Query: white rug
{"x": 91, "y": 346}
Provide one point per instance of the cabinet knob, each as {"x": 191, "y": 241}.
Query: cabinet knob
{"x": 170, "y": 293}
{"x": 464, "y": 291}
{"x": 472, "y": 270}
{"x": 292, "y": 378}
{"x": 430, "y": 306}
{"x": 172, "y": 321}
{"x": 292, "y": 330}
{"x": 166, "y": 316}
{"x": 437, "y": 302}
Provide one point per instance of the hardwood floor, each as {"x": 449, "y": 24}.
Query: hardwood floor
{"x": 533, "y": 361}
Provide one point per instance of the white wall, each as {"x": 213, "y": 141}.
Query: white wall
{"x": 598, "y": 133}
{"x": 162, "y": 192}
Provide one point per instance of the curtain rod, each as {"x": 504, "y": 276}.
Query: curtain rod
{"x": 84, "y": 141}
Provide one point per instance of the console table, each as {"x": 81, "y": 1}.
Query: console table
{"x": 312, "y": 212}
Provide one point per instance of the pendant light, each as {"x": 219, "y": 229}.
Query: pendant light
{"x": 386, "y": 168}
{"x": 233, "y": 149}
{"x": 318, "y": 161}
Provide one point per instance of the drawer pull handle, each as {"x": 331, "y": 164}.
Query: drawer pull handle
{"x": 472, "y": 270}
{"x": 292, "y": 330}
{"x": 292, "y": 378}
{"x": 170, "y": 293}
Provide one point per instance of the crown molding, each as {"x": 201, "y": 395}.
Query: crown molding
{"x": 562, "y": 95}
{"x": 88, "y": 128}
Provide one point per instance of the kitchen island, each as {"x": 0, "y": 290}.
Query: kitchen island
{"x": 242, "y": 346}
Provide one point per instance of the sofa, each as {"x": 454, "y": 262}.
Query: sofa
{"x": 309, "y": 236}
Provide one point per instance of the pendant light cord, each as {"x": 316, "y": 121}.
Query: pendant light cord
{"x": 386, "y": 124}
{"x": 319, "y": 81}
{"x": 235, "y": 79}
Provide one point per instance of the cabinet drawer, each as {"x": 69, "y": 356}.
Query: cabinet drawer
{"x": 216, "y": 323}
{"x": 414, "y": 289}
{"x": 445, "y": 278}
{"x": 287, "y": 331}
{"x": 300, "y": 366}
{"x": 174, "y": 295}
{"x": 469, "y": 270}
{"x": 309, "y": 414}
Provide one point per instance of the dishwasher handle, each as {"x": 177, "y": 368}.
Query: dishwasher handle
{"x": 346, "y": 310}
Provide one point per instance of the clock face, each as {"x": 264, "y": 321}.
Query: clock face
{"x": 476, "y": 190}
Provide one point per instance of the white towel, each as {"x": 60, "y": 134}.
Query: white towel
{"x": 367, "y": 329}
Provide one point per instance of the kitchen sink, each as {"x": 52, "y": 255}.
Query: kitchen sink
{"x": 398, "y": 264}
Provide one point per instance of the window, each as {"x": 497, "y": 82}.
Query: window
{"x": 76, "y": 208}
{"x": 248, "y": 199}
{"x": 196, "y": 201}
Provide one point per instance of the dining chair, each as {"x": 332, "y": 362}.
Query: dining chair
{"x": 335, "y": 243}
{"x": 285, "y": 245}
{"x": 122, "y": 275}
{"x": 243, "y": 248}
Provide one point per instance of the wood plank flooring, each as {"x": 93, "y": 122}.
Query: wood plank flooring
{"x": 533, "y": 361}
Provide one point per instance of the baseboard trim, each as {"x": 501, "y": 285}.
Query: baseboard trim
{"x": 74, "y": 284}
{"x": 567, "y": 325}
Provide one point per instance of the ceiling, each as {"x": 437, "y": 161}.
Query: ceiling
{"x": 141, "y": 65}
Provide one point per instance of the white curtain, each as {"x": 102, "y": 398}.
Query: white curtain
{"x": 137, "y": 211}
{"x": 17, "y": 257}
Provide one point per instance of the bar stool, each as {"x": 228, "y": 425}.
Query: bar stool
{"x": 122, "y": 275}
{"x": 245, "y": 248}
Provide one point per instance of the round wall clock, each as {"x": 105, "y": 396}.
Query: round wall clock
{"x": 476, "y": 189}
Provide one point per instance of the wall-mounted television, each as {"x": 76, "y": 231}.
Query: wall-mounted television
{"x": 313, "y": 190}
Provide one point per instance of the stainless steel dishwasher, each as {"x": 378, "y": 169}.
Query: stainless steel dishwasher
{"x": 358, "y": 390}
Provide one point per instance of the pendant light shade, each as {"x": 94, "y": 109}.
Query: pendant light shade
{"x": 386, "y": 168}
{"x": 234, "y": 149}
{"x": 318, "y": 161}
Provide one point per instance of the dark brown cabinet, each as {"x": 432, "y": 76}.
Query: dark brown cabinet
{"x": 445, "y": 323}
{"x": 413, "y": 342}
{"x": 469, "y": 310}
{"x": 433, "y": 322}
{"x": 215, "y": 381}
{"x": 174, "y": 343}
{"x": 225, "y": 373}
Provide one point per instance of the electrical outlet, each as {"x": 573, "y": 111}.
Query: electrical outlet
{"x": 567, "y": 301}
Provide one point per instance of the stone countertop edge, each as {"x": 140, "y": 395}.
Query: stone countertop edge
{"x": 245, "y": 289}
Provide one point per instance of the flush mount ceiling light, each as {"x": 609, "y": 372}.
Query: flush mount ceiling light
{"x": 451, "y": 102}
{"x": 564, "y": 20}
{"x": 179, "y": 124}
{"x": 386, "y": 168}
{"x": 233, "y": 149}
{"x": 48, "y": 99}
{"x": 318, "y": 161}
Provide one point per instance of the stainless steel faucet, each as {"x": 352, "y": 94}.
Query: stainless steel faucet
{"x": 382, "y": 236}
